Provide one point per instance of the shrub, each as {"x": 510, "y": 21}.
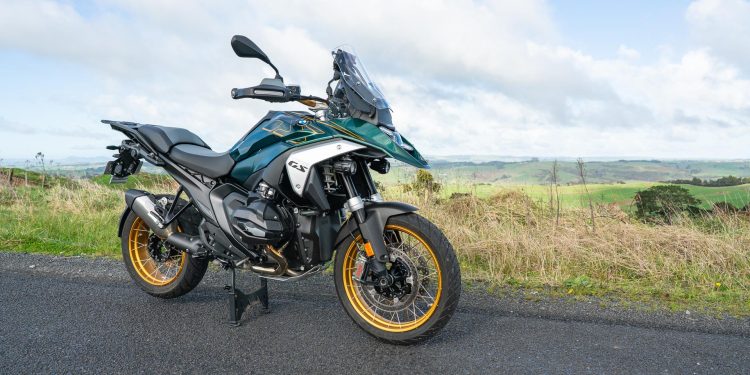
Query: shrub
{"x": 663, "y": 203}
{"x": 423, "y": 182}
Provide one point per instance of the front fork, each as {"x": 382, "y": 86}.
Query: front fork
{"x": 370, "y": 227}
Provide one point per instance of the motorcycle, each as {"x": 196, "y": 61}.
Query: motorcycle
{"x": 295, "y": 188}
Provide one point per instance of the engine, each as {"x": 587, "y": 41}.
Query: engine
{"x": 289, "y": 239}
{"x": 262, "y": 221}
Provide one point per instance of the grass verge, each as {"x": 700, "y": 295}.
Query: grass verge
{"x": 506, "y": 239}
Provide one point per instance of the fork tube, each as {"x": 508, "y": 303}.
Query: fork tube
{"x": 370, "y": 229}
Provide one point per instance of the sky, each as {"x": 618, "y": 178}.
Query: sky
{"x": 558, "y": 78}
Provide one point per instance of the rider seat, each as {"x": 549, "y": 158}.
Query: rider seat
{"x": 188, "y": 150}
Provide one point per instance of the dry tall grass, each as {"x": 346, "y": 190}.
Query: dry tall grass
{"x": 508, "y": 238}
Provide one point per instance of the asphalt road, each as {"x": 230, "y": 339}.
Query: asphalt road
{"x": 78, "y": 315}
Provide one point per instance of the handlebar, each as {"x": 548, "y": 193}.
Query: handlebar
{"x": 276, "y": 94}
{"x": 269, "y": 93}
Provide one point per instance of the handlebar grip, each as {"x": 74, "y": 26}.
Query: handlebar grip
{"x": 241, "y": 93}
{"x": 259, "y": 92}
{"x": 269, "y": 93}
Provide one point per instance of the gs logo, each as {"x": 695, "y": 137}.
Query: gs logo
{"x": 297, "y": 166}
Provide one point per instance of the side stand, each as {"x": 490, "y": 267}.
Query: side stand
{"x": 239, "y": 301}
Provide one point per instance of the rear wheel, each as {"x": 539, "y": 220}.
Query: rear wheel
{"x": 426, "y": 287}
{"x": 157, "y": 267}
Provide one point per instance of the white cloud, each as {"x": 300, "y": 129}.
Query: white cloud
{"x": 462, "y": 76}
{"x": 722, "y": 25}
{"x": 628, "y": 53}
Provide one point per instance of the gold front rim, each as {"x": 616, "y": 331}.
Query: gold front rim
{"x": 424, "y": 303}
{"x": 157, "y": 273}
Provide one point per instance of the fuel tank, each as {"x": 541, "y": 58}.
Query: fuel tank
{"x": 278, "y": 132}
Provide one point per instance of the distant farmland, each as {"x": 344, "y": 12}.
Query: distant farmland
{"x": 573, "y": 196}
{"x": 537, "y": 172}
{"x": 608, "y": 182}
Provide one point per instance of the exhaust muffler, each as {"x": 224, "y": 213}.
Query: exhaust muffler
{"x": 144, "y": 205}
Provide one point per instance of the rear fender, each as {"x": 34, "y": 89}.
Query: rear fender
{"x": 378, "y": 211}
{"x": 130, "y": 196}
{"x": 123, "y": 217}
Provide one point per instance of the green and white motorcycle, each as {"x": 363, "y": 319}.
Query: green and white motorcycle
{"x": 295, "y": 188}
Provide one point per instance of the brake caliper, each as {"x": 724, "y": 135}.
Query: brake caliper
{"x": 360, "y": 268}
{"x": 158, "y": 250}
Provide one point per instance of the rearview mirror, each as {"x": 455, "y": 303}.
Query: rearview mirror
{"x": 245, "y": 47}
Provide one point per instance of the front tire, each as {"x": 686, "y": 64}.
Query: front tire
{"x": 159, "y": 271}
{"x": 422, "y": 303}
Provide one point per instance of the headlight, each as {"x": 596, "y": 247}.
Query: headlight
{"x": 396, "y": 138}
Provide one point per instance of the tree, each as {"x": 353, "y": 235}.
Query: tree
{"x": 663, "y": 203}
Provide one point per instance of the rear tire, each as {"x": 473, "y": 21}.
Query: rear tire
{"x": 435, "y": 274}
{"x": 165, "y": 278}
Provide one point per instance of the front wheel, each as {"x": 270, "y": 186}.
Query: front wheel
{"x": 426, "y": 287}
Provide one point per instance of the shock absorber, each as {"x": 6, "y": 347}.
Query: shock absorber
{"x": 329, "y": 178}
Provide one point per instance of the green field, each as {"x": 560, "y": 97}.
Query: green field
{"x": 608, "y": 182}
{"x": 621, "y": 194}
{"x": 538, "y": 172}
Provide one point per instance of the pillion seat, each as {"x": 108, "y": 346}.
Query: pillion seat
{"x": 188, "y": 150}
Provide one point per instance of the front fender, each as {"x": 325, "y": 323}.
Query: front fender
{"x": 378, "y": 211}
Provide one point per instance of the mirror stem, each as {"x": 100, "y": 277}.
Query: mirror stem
{"x": 278, "y": 76}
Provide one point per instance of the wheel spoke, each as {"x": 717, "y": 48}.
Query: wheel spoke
{"x": 151, "y": 270}
{"x": 418, "y": 268}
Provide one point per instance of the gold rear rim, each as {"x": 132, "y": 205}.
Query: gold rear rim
{"x": 157, "y": 273}
{"x": 386, "y": 314}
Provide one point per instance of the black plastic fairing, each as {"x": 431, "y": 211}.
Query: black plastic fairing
{"x": 194, "y": 188}
{"x": 314, "y": 191}
{"x": 224, "y": 199}
{"x": 315, "y": 235}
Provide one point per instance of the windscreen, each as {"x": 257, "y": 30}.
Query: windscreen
{"x": 354, "y": 73}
